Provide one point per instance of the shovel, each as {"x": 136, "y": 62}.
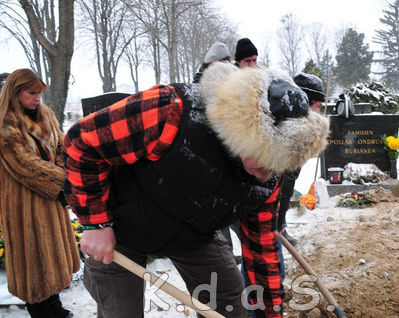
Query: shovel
{"x": 330, "y": 299}
{"x": 185, "y": 298}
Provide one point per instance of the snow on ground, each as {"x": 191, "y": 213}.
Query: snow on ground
{"x": 77, "y": 299}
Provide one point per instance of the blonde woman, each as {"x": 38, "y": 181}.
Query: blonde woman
{"x": 41, "y": 252}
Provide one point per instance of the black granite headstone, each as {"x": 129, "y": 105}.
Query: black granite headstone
{"x": 93, "y": 104}
{"x": 358, "y": 140}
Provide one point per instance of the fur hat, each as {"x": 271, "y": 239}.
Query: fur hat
{"x": 311, "y": 85}
{"x": 244, "y": 49}
{"x": 217, "y": 52}
{"x": 240, "y": 111}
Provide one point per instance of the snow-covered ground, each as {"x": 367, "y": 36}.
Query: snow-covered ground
{"x": 77, "y": 299}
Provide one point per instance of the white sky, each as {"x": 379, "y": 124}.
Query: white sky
{"x": 256, "y": 19}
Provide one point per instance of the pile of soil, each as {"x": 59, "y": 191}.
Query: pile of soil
{"x": 355, "y": 253}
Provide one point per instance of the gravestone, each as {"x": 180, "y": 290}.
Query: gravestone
{"x": 360, "y": 108}
{"x": 93, "y": 104}
{"x": 358, "y": 140}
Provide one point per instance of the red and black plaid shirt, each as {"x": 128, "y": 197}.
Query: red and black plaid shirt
{"x": 140, "y": 126}
{"x": 261, "y": 258}
{"x": 144, "y": 125}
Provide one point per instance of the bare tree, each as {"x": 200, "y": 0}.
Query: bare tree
{"x": 202, "y": 26}
{"x": 161, "y": 19}
{"x": 190, "y": 46}
{"x": 156, "y": 50}
{"x": 316, "y": 41}
{"x": 50, "y": 46}
{"x": 290, "y": 36}
{"x": 264, "y": 58}
{"x": 148, "y": 13}
{"x": 134, "y": 58}
{"x": 13, "y": 19}
{"x": 135, "y": 52}
{"x": 50, "y": 31}
{"x": 182, "y": 31}
{"x": 172, "y": 11}
{"x": 106, "y": 21}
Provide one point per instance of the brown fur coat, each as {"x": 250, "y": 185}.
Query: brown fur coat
{"x": 41, "y": 251}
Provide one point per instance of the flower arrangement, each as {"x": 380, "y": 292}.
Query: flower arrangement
{"x": 77, "y": 230}
{"x": 391, "y": 145}
{"x": 1, "y": 248}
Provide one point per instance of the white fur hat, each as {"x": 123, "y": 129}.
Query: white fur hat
{"x": 217, "y": 52}
{"x": 239, "y": 111}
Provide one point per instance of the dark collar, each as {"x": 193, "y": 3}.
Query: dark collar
{"x": 31, "y": 113}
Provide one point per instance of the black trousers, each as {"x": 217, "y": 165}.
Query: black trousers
{"x": 287, "y": 189}
{"x": 226, "y": 232}
{"x": 48, "y": 308}
{"x": 120, "y": 294}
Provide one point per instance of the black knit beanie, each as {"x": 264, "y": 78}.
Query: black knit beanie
{"x": 244, "y": 49}
{"x": 311, "y": 85}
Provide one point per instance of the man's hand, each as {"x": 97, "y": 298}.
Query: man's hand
{"x": 99, "y": 244}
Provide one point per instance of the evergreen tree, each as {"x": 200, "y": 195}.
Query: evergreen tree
{"x": 353, "y": 59}
{"x": 389, "y": 40}
{"x": 327, "y": 64}
{"x": 381, "y": 99}
{"x": 311, "y": 68}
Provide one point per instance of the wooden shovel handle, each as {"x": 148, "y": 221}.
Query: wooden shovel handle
{"x": 328, "y": 92}
{"x": 185, "y": 298}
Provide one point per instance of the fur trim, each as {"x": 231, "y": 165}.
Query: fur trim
{"x": 21, "y": 157}
{"x": 239, "y": 111}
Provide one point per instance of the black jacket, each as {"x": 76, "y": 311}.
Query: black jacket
{"x": 178, "y": 202}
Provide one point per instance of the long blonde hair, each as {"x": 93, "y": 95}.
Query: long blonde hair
{"x": 16, "y": 82}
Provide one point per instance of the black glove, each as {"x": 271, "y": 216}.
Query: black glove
{"x": 287, "y": 100}
{"x": 62, "y": 199}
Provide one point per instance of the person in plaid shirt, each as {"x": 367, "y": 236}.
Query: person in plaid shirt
{"x": 163, "y": 170}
